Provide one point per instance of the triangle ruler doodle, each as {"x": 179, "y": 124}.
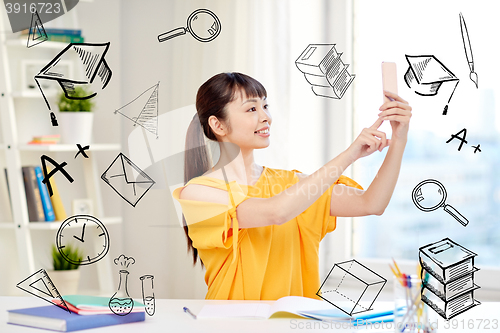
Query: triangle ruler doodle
{"x": 37, "y": 33}
{"x": 147, "y": 117}
{"x": 40, "y": 285}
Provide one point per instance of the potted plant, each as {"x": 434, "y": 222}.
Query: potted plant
{"x": 65, "y": 274}
{"x": 75, "y": 117}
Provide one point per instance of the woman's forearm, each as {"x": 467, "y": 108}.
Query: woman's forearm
{"x": 303, "y": 194}
{"x": 290, "y": 202}
{"x": 379, "y": 193}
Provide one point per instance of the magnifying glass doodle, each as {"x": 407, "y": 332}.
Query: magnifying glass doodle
{"x": 202, "y": 24}
{"x": 430, "y": 195}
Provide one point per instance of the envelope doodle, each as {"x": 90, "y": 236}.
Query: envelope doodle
{"x": 127, "y": 179}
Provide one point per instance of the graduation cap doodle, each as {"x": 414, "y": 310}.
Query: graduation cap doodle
{"x": 426, "y": 74}
{"x": 94, "y": 69}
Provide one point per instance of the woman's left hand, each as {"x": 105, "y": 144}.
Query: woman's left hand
{"x": 398, "y": 112}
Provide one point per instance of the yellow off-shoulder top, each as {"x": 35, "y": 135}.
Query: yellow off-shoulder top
{"x": 263, "y": 263}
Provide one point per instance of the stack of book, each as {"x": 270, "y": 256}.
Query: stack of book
{"x": 41, "y": 206}
{"x": 324, "y": 70}
{"x": 85, "y": 312}
{"x": 448, "y": 277}
{"x": 45, "y": 139}
{"x": 59, "y": 35}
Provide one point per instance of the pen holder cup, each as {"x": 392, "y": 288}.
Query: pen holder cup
{"x": 410, "y": 314}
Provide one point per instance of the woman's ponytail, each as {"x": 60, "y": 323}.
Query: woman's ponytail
{"x": 196, "y": 163}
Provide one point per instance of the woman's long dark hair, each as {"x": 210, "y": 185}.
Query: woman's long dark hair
{"x": 211, "y": 100}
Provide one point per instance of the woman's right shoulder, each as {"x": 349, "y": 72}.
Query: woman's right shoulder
{"x": 198, "y": 192}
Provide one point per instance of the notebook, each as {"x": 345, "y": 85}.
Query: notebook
{"x": 54, "y": 318}
{"x": 91, "y": 305}
{"x": 285, "y": 306}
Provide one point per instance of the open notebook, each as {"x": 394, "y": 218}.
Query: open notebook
{"x": 285, "y": 306}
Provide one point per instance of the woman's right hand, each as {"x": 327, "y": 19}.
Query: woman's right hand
{"x": 368, "y": 141}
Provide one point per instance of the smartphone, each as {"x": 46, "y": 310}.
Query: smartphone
{"x": 389, "y": 79}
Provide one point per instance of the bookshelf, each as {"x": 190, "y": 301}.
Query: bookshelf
{"x": 15, "y": 104}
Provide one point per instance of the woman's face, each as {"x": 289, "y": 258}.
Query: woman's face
{"x": 249, "y": 121}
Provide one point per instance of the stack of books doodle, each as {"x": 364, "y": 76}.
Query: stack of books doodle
{"x": 448, "y": 277}
{"x": 324, "y": 70}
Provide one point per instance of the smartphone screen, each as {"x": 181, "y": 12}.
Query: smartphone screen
{"x": 389, "y": 78}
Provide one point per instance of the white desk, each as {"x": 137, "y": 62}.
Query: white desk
{"x": 169, "y": 317}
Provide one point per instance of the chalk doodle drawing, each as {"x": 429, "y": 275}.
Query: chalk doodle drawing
{"x": 37, "y": 33}
{"x": 82, "y": 150}
{"x": 356, "y": 287}
{"x": 93, "y": 69}
{"x": 57, "y": 167}
{"x": 127, "y": 179}
{"x": 121, "y": 303}
{"x": 430, "y": 195}
{"x": 84, "y": 228}
{"x": 461, "y": 136}
{"x": 426, "y": 74}
{"x": 148, "y": 116}
{"x": 148, "y": 296}
{"x": 448, "y": 277}
{"x": 324, "y": 70}
{"x": 40, "y": 285}
{"x": 468, "y": 50}
{"x": 202, "y": 24}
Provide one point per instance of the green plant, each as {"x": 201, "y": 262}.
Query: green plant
{"x": 76, "y": 105}
{"x": 61, "y": 264}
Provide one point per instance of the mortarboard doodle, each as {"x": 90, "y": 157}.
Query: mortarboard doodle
{"x": 127, "y": 179}
{"x": 426, "y": 74}
{"x": 92, "y": 65}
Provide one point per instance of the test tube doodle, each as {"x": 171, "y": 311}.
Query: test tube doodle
{"x": 148, "y": 295}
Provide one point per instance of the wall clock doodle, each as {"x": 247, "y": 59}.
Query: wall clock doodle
{"x": 83, "y": 228}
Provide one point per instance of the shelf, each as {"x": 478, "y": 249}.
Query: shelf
{"x": 46, "y": 45}
{"x": 35, "y": 93}
{"x": 69, "y": 147}
{"x": 56, "y": 224}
